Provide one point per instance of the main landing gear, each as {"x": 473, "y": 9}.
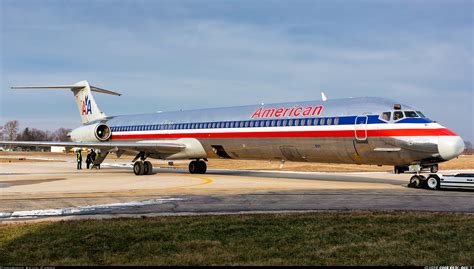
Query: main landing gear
{"x": 197, "y": 167}
{"x": 417, "y": 181}
{"x": 140, "y": 166}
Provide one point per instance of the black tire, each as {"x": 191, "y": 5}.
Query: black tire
{"x": 434, "y": 168}
{"x": 433, "y": 182}
{"x": 148, "y": 168}
{"x": 193, "y": 167}
{"x": 139, "y": 168}
{"x": 423, "y": 181}
{"x": 202, "y": 167}
{"x": 415, "y": 182}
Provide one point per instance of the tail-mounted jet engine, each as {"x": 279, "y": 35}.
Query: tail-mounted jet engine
{"x": 91, "y": 133}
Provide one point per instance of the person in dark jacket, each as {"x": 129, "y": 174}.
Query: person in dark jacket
{"x": 93, "y": 157}
{"x": 89, "y": 160}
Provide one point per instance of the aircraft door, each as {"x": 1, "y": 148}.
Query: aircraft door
{"x": 360, "y": 130}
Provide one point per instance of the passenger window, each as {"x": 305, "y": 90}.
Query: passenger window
{"x": 386, "y": 116}
{"x": 278, "y": 123}
{"x": 336, "y": 121}
{"x": 273, "y": 123}
{"x": 290, "y": 123}
{"x": 297, "y": 122}
{"x": 397, "y": 115}
{"x": 241, "y": 124}
{"x": 322, "y": 121}
{"x": 330, "y": 121}
{"x": 411, "y": 114}
{"x": 285, "y": 122}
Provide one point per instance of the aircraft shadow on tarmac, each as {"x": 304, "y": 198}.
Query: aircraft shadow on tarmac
{"x": 317, "y": 177}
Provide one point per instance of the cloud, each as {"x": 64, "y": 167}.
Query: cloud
{"x": 180, "y": 58}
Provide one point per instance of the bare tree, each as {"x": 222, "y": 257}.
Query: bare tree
{"x": 33, "y": 134}
{"x": 11, "y": 129}
{"x": 61, "y": 134}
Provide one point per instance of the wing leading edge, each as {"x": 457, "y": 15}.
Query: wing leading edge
{"x": 131, "y": 146}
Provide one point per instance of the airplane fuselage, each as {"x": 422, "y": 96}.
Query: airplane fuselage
{"x": 351, "y": 130}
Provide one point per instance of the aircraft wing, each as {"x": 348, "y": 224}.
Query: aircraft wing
{"x": 157, "y": 147}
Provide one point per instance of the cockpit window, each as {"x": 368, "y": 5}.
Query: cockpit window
{"x": 421, "y": 114}
{"x": 411, "y": 114}
{"x": 397, "y": 115}
{"x": 386, "y": 116}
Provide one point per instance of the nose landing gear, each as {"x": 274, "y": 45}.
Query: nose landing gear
{"x": 417, "y": 181}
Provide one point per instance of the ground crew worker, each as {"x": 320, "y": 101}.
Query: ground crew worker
{"x": 89, "y": 159}
{"x": 93, "y": 157}
{"x": 79, "y": 159}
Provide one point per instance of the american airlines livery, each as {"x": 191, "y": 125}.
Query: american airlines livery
{"x": 366, "y": 130}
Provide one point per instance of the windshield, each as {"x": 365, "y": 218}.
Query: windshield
{"x": 411, "y": 114}
{"x": 421, "y": 114}
{"x": 397, "y": 115}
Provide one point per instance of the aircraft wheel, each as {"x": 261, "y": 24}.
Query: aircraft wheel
{"x": 193, "y": 167}
{"x": 422, "y": 182}
{"x": 433, "y": 182}
{"x": 148, "y": 168}
{"x": 139, "y": 168}
{"x": 415, "y": 182}
{"x": 202, "y": 167}
{"x": 197, "y": 167}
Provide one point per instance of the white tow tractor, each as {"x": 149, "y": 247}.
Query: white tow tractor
{"x": 438, "y": 181}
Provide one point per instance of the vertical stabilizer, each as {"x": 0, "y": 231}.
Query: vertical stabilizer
{"x": 86, "y": 104}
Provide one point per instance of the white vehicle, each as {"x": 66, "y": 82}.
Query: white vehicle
{"x": 437, "y": 181}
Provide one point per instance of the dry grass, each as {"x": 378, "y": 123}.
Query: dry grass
{"x": 357, "y": 238}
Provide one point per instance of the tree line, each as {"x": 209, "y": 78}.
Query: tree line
{"x": 11, "y": 132}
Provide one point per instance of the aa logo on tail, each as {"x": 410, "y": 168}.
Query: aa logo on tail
{"x": 86, "y": 106}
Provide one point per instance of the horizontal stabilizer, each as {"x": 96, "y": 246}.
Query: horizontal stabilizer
{"x": 82, "y": 91}
{"x": 93, "y": 88}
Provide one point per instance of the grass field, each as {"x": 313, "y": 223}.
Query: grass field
{"x": 360, "y": 238}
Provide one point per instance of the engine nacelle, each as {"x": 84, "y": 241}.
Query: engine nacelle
{"x": 91, "y": 133}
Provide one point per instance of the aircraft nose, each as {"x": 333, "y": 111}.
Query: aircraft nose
{"x": 450, "y": 147}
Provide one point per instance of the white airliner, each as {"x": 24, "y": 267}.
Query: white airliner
{"x": 365, "y": 130}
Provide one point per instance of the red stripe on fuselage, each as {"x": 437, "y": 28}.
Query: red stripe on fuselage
{"x": 276, "y": 134}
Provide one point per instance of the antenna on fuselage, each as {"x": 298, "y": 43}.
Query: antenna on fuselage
{"x": 323, "y": 96}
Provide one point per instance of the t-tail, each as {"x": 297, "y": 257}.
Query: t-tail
{"x": 85, "y": 102}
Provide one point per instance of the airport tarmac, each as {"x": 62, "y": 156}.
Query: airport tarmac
{"x": 55, "y": 188}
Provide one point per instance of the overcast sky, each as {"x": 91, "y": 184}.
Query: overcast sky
{"x": 171, "y": 55}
